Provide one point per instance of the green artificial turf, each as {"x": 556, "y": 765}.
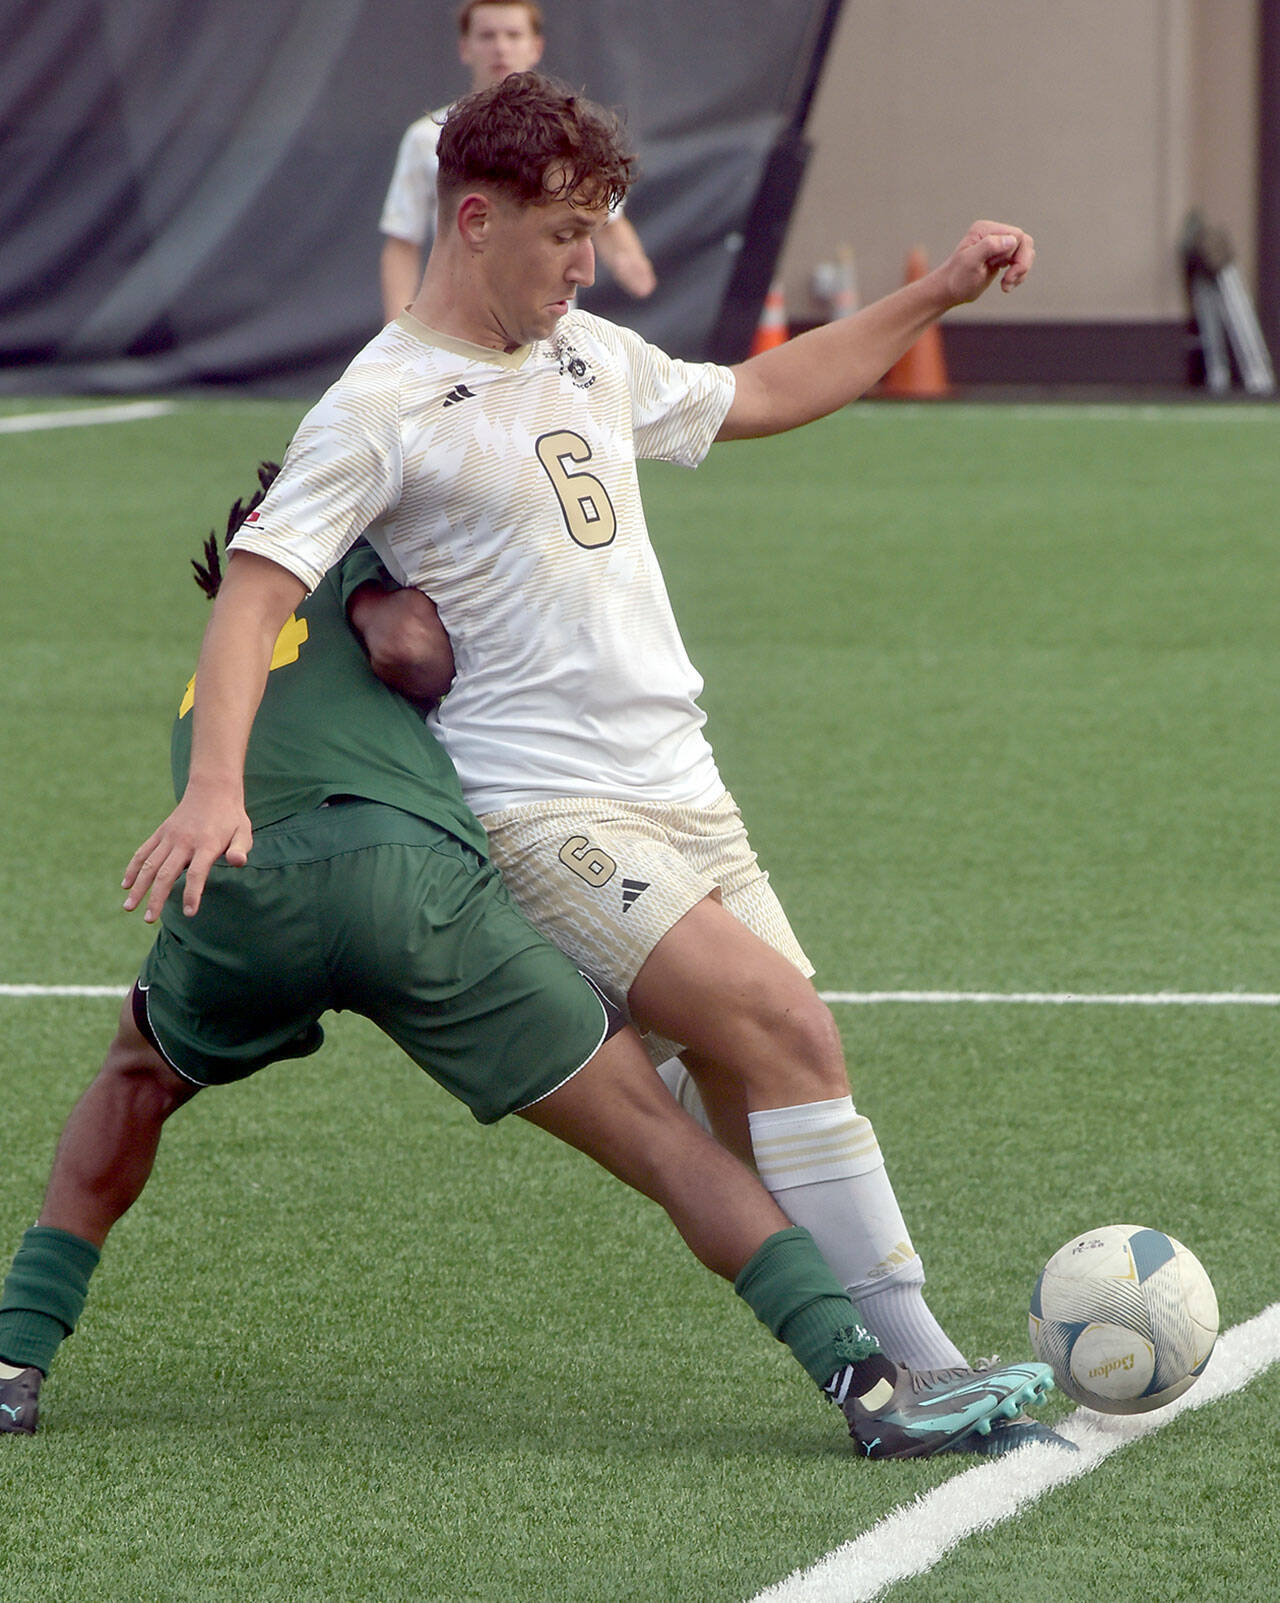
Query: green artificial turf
{"x": 996, "y": 691}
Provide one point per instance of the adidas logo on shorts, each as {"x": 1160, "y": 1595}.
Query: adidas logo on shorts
{"x": 632, "y": 890}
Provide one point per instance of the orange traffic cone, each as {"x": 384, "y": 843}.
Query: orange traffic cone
{"x": 772, "y": 327}
{"x": 921, "y": 372}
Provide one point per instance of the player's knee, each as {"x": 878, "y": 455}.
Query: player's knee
{"x": 811, "y": 1045}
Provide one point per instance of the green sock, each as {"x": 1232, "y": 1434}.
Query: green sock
{"x": 788, "y": 1286}
{"x": 44, "y": 1294}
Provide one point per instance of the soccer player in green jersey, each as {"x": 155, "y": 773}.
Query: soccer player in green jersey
{"x": 369, "y": 888}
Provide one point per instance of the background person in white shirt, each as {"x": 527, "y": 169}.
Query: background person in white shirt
{"x": 495, "y": 38}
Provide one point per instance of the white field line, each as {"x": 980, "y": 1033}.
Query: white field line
{"x": 1061, "y": 998}
{"x": 879, "y": 998}
{"x": 18, "y": 991}
{"x": 83, "y": 416}
{"x": 912, "y": 1539}
{"x": 1071, "y": 412}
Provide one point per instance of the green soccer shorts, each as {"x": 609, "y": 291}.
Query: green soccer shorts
{"x": 363, "y": 907}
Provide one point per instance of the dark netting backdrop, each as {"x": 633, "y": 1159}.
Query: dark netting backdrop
{"x": 190, "y": 189}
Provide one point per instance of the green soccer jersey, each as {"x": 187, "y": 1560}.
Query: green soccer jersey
{"x": 328, "y": 726}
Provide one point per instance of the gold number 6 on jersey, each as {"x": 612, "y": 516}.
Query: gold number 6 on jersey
{"x": 584, "y": 501}
{"x": 587, "y": 861}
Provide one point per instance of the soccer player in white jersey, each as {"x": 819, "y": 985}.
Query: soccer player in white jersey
{"x": 486, "y": 443}
{"x": 495, "y": 39}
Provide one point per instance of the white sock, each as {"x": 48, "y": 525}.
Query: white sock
{"x": 822, "y": 1163}
{"x": 684, "y": 1088}
{"x": 680, "y": 1083}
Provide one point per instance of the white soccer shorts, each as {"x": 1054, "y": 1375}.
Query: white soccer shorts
{"x": 605, "y": 880}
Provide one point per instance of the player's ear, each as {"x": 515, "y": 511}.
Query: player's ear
{"x": 475, "y": 217}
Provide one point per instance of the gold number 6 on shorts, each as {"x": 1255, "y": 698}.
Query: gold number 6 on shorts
{"x": 587, "y": 861}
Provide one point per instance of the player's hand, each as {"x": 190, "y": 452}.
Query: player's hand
{"x": 987, "y": 252}
{"x": 201, "y": 829}
{"x": 409, "y": 648}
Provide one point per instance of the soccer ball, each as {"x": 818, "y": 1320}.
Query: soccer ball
{"x": 1127, "y": 1317}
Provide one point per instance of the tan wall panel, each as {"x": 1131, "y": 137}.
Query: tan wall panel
{"x": 1075, "y": 119}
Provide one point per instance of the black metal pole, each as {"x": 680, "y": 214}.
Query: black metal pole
{"x": 765, "y": 231}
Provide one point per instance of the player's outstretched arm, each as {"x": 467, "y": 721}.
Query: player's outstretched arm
{"x": 825, "y": 369}
{"x": 210, "y": 822}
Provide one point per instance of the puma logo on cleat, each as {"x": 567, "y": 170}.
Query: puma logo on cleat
{"x": 632, "y": 891}
{"x": 13, "y": 1413}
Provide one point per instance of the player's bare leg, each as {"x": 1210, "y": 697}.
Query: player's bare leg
{"x": 104, "y": 1158}
{"x": 618, "y": 1112}
{"x": 759, "y": 1034}
{"x": 750, "y": 1019}
{"x": 108, "y": 1145}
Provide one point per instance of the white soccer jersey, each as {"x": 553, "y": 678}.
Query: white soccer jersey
{"x": 505, "y": 487}
{"x": 409, "y": 211}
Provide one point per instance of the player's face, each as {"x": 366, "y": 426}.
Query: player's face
{"x": 542, "y": 255}
{"x": 499, "y": 41}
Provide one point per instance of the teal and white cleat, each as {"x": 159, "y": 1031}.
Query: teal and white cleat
{"x": 890, "y": 1418}
{"x": 1005, "y": 1435}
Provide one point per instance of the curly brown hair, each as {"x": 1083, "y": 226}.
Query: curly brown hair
{"x": 535, "y": 141}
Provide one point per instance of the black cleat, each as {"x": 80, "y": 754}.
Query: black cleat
{"x": 19, "y": 1391}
